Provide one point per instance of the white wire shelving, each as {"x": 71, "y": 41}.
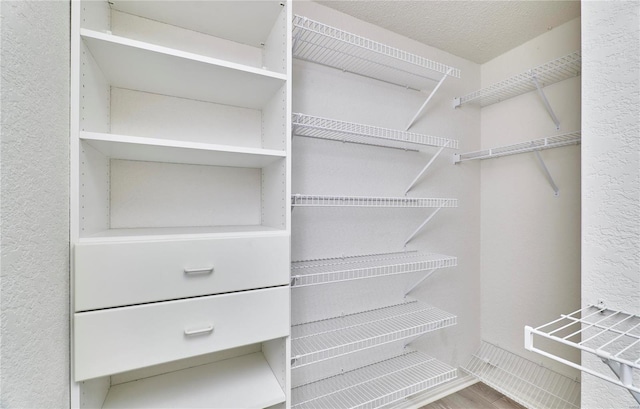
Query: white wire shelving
{"x": 335, "y": 270}
{"x": 546, "y": 74}
{"x": 325, "y": 339}
{"x": 375, "y": 385}
{"x": 613, "y": 336}
{"x": 335, "y": 130}
{"x": 300, "y": 200}
{"x": 524, "y": 381}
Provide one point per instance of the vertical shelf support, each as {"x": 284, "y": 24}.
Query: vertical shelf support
{"x": 624, "y": 373}
{"x": 421, "y": 226}
{"x": 417, "y": 283}
{"x": 552, "y": 114}
{"x": 556, "y": 191}
{"x": 422, "y": 108}
{"x": 412, "y": 184}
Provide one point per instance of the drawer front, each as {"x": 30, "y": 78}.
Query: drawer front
{"x": 121, "y": 339}
{"x": 118, "y": 274}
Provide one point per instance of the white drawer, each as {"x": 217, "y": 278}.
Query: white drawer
{"x": 127, "y": 273}
{"x": 121, "y": 339}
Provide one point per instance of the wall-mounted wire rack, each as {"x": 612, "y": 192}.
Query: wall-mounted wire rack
{"x": 300, "y": 200}
{"x": 335, "y": 270}
{"x": 376, "y": 385}
{"x": 325, "y": 339}
{"x": 613, "y": 336}
{"x": 335, "y": 130}
{"x": 524, "y": 381}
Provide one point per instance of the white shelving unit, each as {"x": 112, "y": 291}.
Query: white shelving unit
{"x": 180, "y": 162}
{"x": 335, "y": 270}
{"x": 524, "y": 381}
{"x": 375, "y": 385}
{"x": 321, "y": 340}
{"x": 611, "y": 335}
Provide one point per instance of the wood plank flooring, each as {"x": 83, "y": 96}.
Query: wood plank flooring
{"x": 477, "y": 396}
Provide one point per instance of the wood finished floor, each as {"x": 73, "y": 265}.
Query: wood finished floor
{"x": 477, "y": 396}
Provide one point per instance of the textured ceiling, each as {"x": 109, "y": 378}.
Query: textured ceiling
{"x": 476, "y": 30}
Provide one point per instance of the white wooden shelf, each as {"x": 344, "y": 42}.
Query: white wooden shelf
{"x": 375, "y": 385}
{"x": 163, "y": 150}
{"x": 151, "y": 68}
{"x": 526, "y": 382}
{"x": 335, "y": 130}
{"x": 173, "y": 233}
{"x": 216, "y": 18}
{"x": 246, "y": 382}
{"x": 299, "y": 200}
{"x": 611, "y": 335}
{"x": 334, "y": 270}
{"x": 546, "y": 74}
{"x": 326, "y": 45}
{"x": 571, "y": 138}
{"x": 321, "y": 340}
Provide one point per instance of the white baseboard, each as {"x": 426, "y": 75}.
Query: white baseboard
{"x": 421, "y": 399}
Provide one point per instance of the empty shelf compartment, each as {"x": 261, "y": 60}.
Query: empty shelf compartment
{"x": 375, "y": 385}
{"x": 331, "y": 270}
{"x": 325, "y": 339}
{"x": 342, "y": 131}
{"x": 326, "y": 45}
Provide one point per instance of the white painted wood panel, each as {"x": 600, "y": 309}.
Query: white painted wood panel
{"x": 126, "y": 273}
{"x": 121, "y": 339}
{"x": 176, "y": 233}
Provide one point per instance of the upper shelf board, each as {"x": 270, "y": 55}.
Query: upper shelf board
{"x": 335, "y": 130}
{"x": 571, "y": 138}
{"x": 151, "y": 68}
{"x": 163, "y": 150}
{"x": 369, "y": 201}
{"x": 246, "y": 22}
{"x": 546, "y": 74}
{"x": 326, "y": 45}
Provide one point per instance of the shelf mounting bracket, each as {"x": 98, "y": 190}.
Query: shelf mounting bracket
{"x": 552, "y": 114}
{"x": 421, "y": 226}
{"x": 417, "y": 283}
{"x": 624, "y": 373}
{"x": 556, "y": 191}
{"x": 412, "y": 184}
{"x": 413, "y": 120}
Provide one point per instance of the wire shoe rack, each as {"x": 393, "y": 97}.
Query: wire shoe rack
{"x": 524, "y": 381}
{"x": 334, "y": 270}
{"x": 321, "y": 340}
{"x": 375, "y": 385}
{"x": 546, "y": 74}
{"x": 342, "y": 131}
{"x": 301, "y": 200}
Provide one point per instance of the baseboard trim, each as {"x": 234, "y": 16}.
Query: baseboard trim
{"x": 419, "y": 400}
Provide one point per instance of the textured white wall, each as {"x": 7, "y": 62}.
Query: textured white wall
{"x": 611, "y": 173}
{"x": 530, "y": 238}
{"x": 35, "y": 204}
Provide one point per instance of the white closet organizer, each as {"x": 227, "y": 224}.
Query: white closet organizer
{"x": 536, "y": 78}
{"x": 322, "y": 44}
{"x": 612, "y": 336}
{"x": 180, "y": 216}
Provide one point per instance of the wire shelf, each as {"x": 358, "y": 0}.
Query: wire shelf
{"x": 326, "y": 45}
{"x": 333, "y": 270}
{"x": 571, "y": 138}
{"x": 375, "y": 385}
{"x": 526, "y": 382}
{"x": 321, "y": 340}
{"x": 368, "y": 201}
{"x": 613, "y": 336}
{"x": 334, "y": 130}
{"x": 546, "y": 74}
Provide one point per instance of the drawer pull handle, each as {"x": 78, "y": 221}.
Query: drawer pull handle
{"x": 206, "y": 270}
{"x": 203, "y": 331}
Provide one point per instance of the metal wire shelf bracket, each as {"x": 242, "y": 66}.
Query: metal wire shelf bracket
{"x": 526, "y": 382}
{"x": 613, "y": 336}
{"x": 427, "y": 220}
{"x": 349, "y": 132}
{"x": 336, "y": 270}
{"x": 545, "y": 101}
{"x": 326, "y": 45}
{"x": 375, "y": 385}
{"x": 536, "y": 78}
{"x": 326, "y": 339}
{"x": 417, "y": 283}
{"x": 413, "y": 183}
{"x": 424, "y": 105}
{"x": 300, "y": 200}
{"x": 547, "y": 174}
